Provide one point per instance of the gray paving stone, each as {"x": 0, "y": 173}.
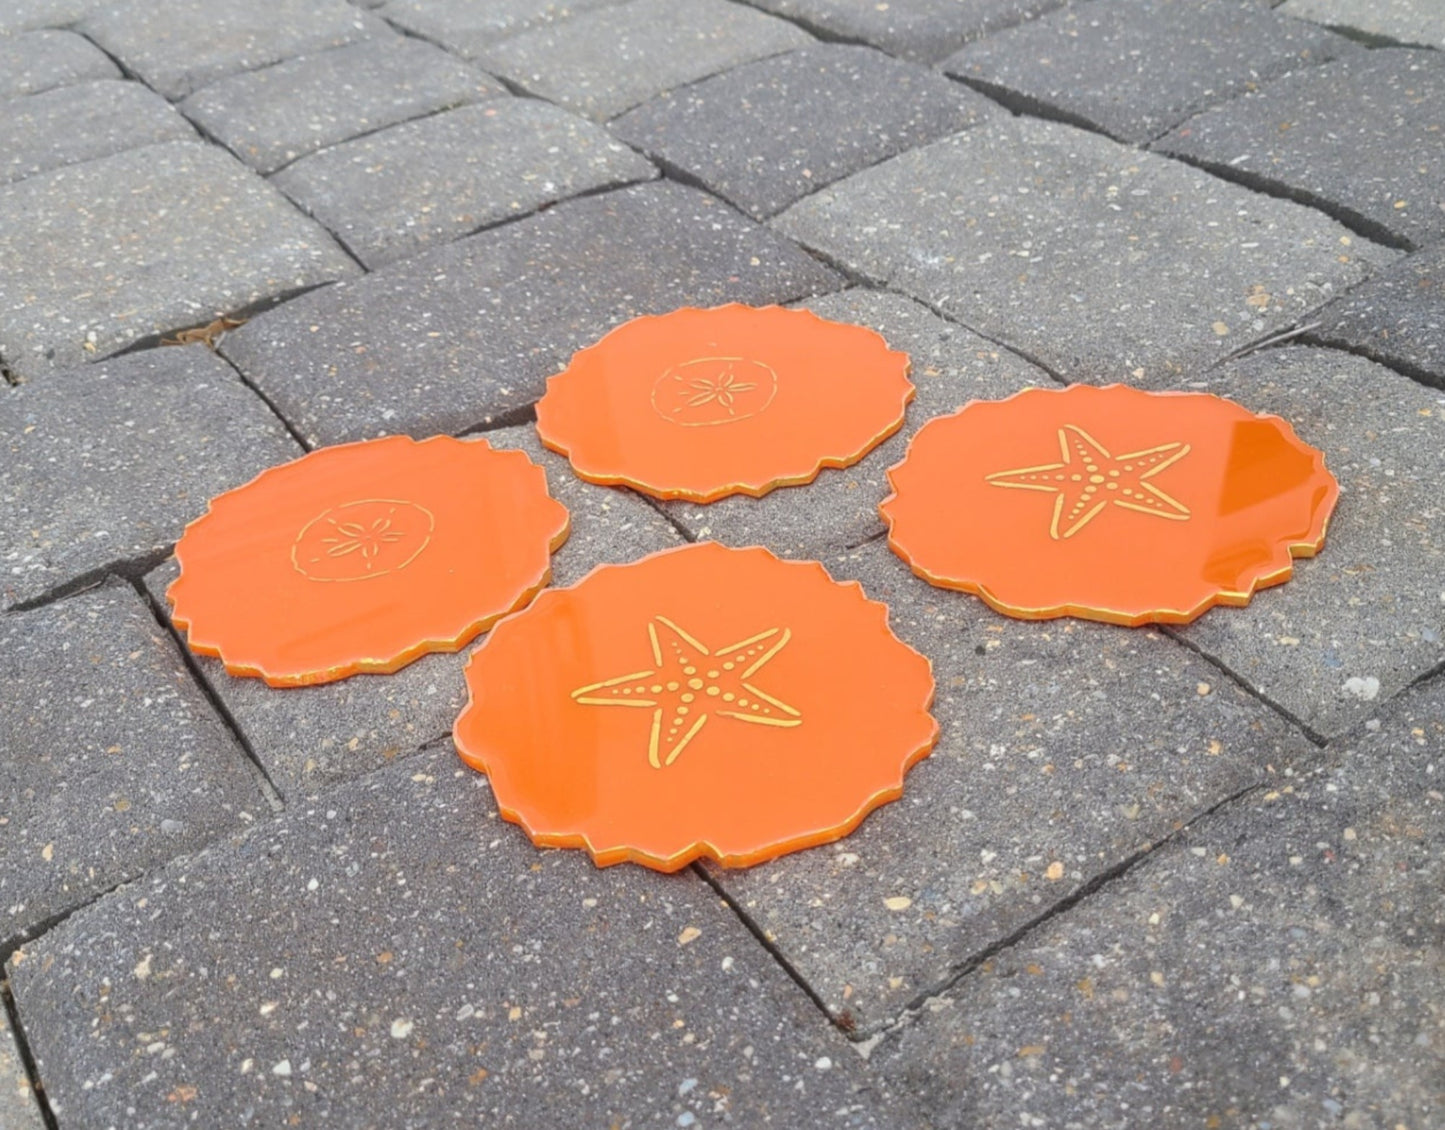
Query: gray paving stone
{"x": 468, "y": 333}
{"x": 392, "y": 194}
{"x": 270, "y": 117}
{"x": 18, "y": 1109}
{"x": 1415, "y": 22}
{"x": 767, "y": 133}
{"x": 1359, "y": 138}
{"x": 1278, "y": 966}
{"x": 922, "y": 30}
{"x": 79, "y": 123}
{"x": 652, "y": 46}
{"x": 1135, "y": 68}
{"x": 180, "y": 46}
{"x": 109, "y": 464}
{"x": 113, "y": 760}
{"x": 28, "y": 15}
{"x": 404, "y": 958}
{"x": 467, "y": 27}
{"x": 310, "y": 738}
{"x": 1101, "y": 262}
{"x": 1367, "y": 616}
{"x": 1398, "y": 317}
{"x": 101, "y": 255}
{"x": 36, "y": 61}
{"x": 1066, "y": 748}
{"x": 839, "y": 509}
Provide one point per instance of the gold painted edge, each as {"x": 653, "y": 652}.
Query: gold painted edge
{"x": 1308, "y": 547}
{"x": 407, "y": 656}
{"x": 750, "y": 487}
{"x": 705, "y": 849}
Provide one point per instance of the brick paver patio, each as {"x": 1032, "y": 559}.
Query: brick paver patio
{"x": 1148, "y": 877}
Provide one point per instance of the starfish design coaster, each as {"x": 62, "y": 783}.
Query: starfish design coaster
{"x": 1089, "y": 479}
{"x": 701, "y": 702}
{"x": 1204, "y": 503}
{"x": 689, "y": 684}
{"x": 701, "y": 404}
{"x": 363, "y": 557}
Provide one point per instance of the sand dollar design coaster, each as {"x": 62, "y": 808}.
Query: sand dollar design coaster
{"x": 701, "y": 404}
{"x": 1108, "y": 503}
{"x": 703, "y": 701}
{"x": 363, "y": 557}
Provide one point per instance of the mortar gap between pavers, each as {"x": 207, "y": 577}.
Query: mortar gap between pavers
{"x": 774, "y": 951}
{"x": 1022, "y": 105}
{"x": 123, "y": 569}
{"x": 886, "y": 1029}
{"x": 27, "y": 1057}
{"x": 267, "y": 787}
{"x": 294, "y": 432}
{"x": 1172, "y": 632}
{"x": 1394, "y": 364}
{"x": 35, "y": 930}
{"x": 1359, "y": 225}
{"x": 1284, "y": 337}
{"x": 421, "y": 117}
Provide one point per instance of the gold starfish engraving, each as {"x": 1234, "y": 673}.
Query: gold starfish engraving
{"x": 688, "y": 684}
{"x": 1089, "y": 479}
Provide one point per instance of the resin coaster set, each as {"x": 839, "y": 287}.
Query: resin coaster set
{"x": 717, "y": 702}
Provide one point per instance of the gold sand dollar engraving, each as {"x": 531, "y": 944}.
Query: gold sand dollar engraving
{"x": 714, "y": 390}
{"x": 363, "y": 540}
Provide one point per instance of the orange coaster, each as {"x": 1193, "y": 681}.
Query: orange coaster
{"x": 1108, "y": 503}
{"x": 364, "y": 557}
{"x": 703, "y": 701}
{"x": 701, "y": 404}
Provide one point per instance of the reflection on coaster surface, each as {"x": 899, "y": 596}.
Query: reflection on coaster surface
{"x": 701, "y": 404}
{"x": 701, "y": 702}
{"x": 1108, "y": 503}
{"x": 363, "y": 557}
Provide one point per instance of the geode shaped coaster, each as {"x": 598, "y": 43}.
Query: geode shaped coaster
{"x": 363, "y": 557}
{"x": 703, "y": 701}
{"x": 700, "y": 404}
{"x": 1108, "y": 503}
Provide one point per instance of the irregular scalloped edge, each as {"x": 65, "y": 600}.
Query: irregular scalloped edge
{"x": 450, "y": 643}
{"x": 1276, "y": 572}
{"x": 705, "y": 849}
{"x": 800, "y": 476}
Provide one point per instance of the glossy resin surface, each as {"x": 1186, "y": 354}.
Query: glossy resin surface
{"x": 1108, "y": 503}
{"x": 363, "y": 557}
{"x": 701, "y": 404}
{"x": 703, "y": 701}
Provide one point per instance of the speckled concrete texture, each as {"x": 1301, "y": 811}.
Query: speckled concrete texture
{"x": 113, "y": 763}
{"x": 1359, "y": 138}
{"x": 766, "y": 134}
{"x": 923, "y": 31}
{"x": 1397, "y": 318}
{"x": 107, "y": 253}
{"x": 1100, "y": 262}
{"x": 178, "y": 47}
{"x": 77, "y": 123}
{"x": 469, "y": 333}
{"x": 392, "y": 194}
{"x": 42, "y": 60}
{"x": 1366, "y": 617}
{"x": 1134, "y": 68}
{"x": 1419, "y": 23}
{"x": 653, "y": 45}
{"x": 494, "y": 983}
{"x": 18, "y": 1109}
{"x": 270, "y": 117}
{"x": 108, "y": 464}
{"x": 1067, "y": 748}
{"x": 1277, "y": 965}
